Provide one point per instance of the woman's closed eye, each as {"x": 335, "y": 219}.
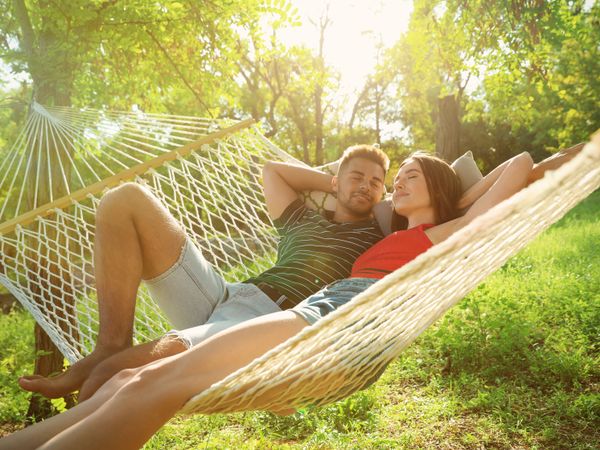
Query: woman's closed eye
{"x": 411, "y": 177}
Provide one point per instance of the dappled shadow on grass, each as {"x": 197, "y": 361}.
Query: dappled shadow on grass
{"x": 351, "y": 415}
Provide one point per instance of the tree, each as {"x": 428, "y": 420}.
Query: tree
{"x": 435, "y": 60}
{"x": 534, "y": 65}
{"x": 115, "y": 53}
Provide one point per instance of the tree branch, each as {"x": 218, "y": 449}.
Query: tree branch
{"x": 27, "y": 41}
{"x": 189, "y": 86}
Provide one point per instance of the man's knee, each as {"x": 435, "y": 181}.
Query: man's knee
{"x": 121, "y": 200}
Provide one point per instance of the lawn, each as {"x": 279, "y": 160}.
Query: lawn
{"x": 515, "y": 365}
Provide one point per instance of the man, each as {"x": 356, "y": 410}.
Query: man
{"x": 138, "y": 239}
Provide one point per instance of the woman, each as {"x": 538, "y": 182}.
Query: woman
{"x": 127, "y": 410}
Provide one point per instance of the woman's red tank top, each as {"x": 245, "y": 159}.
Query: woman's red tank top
{"x": 392, "y": 253}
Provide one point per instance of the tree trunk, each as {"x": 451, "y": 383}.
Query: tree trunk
{"x": 48, "y": 273}
{"x": 49, "y": 360}
{"x": 7, "y": 301}
{"x": 52, "y": 84}
{"x": 320, "y": 66}
{"x": 318, "y": 126}
{"x": 448, "y": 129}
{"x": 378, "y": 115}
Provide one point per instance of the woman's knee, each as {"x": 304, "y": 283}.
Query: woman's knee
{"x": 146, "y": 379}
{"x": 107, "y": 388}
{"x": 125, "y": 375}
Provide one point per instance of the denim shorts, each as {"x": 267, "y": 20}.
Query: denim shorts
{"x": 331, "y": 297}
{"x": 199, "y": 302}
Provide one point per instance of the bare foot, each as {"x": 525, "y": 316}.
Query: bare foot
{"x": 68, "y": 381}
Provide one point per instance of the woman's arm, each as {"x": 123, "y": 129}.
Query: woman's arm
{"x": 553, "y": 162}
{"x": 504, "y": 181}
{"x": 537, "y": 172}
{"x": 481, "y": 187}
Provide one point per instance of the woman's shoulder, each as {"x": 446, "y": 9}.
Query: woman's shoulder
{"x": 441, "y": 232}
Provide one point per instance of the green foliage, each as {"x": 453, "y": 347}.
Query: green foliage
{"x": 524, "y": 74}
{"x": 533, "y": 68}
{"x": 16, "y": 358}
{"x": 168, "y": 56}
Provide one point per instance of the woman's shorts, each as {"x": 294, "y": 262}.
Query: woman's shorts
{"x": 331, "y": 298}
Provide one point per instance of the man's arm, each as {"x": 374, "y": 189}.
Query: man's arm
{"x": 282, "y": 182}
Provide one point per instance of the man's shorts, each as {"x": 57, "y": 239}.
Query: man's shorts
{"x": 331, "y": 298}
{"x": 199, "y": 302}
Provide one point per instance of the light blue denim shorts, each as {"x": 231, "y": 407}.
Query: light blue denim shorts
{"x": 331, "y": 297}
{"x": 199, "y": 302}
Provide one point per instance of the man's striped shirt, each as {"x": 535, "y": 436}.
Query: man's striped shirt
{"x": 314, "y": 251}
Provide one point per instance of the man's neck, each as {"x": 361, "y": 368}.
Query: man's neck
{"x": 346, "y": 216}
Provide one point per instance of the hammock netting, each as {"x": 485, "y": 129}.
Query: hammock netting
{"x": 207, "y": 172}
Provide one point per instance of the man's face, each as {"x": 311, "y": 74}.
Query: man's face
{"x": 359, "y": 186}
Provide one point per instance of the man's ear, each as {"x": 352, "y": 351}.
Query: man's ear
{"x": 334, "y": 184}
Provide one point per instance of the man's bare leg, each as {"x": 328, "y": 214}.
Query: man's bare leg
{"x": 136, "y": 238}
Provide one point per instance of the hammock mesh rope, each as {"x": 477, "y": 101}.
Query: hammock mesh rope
{"x": 345, "y": 350}
{"x": 214, "y": 192}
{"x": 212, "y": 187}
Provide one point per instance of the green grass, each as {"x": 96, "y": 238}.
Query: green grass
{"x": 515, "y": 365}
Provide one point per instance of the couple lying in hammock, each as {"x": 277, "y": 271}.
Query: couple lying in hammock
{"x": 127, "y": 393}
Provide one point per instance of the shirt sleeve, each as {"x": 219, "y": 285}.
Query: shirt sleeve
{"x": 290, "y": 215}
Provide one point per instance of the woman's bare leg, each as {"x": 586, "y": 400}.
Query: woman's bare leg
{"x": 159, "y": 390}
{"x": 38, "y": 434}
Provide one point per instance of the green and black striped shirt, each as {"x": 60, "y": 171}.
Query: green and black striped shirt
{"x": 314, "y": 251}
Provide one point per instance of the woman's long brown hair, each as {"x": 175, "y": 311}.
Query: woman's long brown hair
{"x": 443, "y": 186}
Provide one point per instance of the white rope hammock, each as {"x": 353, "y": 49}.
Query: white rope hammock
{"x": 51, "y": 181}
{"x": 214, "y": 191}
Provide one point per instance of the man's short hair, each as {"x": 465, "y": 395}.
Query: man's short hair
{"x": 369, "y": 152}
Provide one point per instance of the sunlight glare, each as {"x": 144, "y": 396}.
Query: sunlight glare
{"x": 352, "y": 38}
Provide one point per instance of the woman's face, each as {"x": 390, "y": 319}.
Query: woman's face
{"x": 410, "y": 189}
